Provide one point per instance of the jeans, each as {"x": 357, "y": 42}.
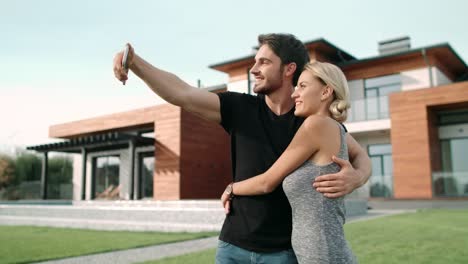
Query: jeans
{"x": 230, "y": 254}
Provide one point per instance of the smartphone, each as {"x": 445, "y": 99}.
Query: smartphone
{"x": 125, "y": 57}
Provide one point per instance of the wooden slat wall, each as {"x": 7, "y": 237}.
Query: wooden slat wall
{"x": 167, "y": 174}
{"x": 139, "y": 117}
{"x": 205, "y": 158}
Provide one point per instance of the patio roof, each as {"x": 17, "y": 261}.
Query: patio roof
{"x": 103, "y": 141}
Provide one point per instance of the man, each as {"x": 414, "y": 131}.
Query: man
{"x": 258, "y": 228}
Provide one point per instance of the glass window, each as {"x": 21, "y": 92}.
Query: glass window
{"x": 380, "y": 149}
{"x": 59, "y": 184}
{"x": 453, "y": 117}
{"x": 386, "y": 90}
{"x": 381, "y": 181}
{"x": 146, "y": 175}
{"x": 376, "y": 91}
{"x": 453, "y": 179}
{"x": 106, "y": 177}
{"x": 394, "y": 79}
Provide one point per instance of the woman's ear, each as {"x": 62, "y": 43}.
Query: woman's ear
{"x": 327, "y": 92}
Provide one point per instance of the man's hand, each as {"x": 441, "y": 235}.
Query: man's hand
{"x": 226, "y": 202}
{"x": 338, "y": 184}
{"x": 119, "y": 71}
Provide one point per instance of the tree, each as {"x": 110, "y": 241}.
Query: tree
{"x": 60, "y": 173}
{"x": 28, "y": 167}
{"x": 7, "y": 171}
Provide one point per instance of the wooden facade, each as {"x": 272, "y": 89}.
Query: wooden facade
{"x": 414, "y": 136}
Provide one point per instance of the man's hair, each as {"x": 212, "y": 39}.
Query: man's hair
{"x": 288, "y": 48}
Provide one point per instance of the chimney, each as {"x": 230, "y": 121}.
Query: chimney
{"x": 394, "y": 45}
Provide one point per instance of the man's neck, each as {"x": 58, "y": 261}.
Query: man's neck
{"x": 280, "y": 101}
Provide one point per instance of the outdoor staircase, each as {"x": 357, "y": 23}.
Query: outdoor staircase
{"x": 181, "y": 216}
{"x": 190, "y": 216}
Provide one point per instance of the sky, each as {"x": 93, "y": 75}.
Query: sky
{"x": 56, "y": 56}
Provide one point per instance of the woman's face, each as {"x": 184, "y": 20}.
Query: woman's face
{"x": 308, "y": 94}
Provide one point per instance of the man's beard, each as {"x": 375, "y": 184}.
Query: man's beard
{"x": 271, "y": 86}
{"x": 268, "y": 87}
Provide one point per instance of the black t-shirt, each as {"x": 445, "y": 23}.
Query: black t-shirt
{"x": 260, "y": 223}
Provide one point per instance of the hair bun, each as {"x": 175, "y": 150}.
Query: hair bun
{"x": 339, "y": 110}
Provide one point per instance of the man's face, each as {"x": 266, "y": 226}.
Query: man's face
{"x": 267, "y": 70}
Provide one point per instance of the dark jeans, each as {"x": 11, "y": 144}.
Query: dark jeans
{"x": 230, "y": 254}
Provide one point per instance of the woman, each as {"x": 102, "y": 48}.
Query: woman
{"x": 322, "y": 98}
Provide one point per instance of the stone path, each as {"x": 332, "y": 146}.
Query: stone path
{"x": 180, "y": 248}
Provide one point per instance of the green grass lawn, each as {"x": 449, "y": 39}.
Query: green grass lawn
{"x": 23, "y": 244}
{"x": 428, "y": 236}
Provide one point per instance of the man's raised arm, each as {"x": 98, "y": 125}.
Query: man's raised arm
{"x": 170, "y": 87}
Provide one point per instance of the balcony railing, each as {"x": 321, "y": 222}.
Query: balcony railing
{"x": 371, "y": 108}
{"x": 453, "y": 184}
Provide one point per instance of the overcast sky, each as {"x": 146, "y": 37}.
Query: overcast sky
{"x": 56, "y": 56}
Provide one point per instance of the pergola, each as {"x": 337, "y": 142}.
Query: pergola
{"x": 91, "y": 143}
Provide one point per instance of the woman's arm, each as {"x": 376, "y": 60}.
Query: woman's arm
{"x": 353, "y": 173}
{"x": 305, "y": 143}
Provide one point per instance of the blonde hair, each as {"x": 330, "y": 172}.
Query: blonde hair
{"x": 332, "y": 76}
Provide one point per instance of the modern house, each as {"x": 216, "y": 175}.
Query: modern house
{"x": 409, "y": 110}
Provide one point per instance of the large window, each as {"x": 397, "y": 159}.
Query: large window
{"x": 146, "y": 168}
{"x": 374, "y": 105}
{"x": 381, "y": 181}
{"x": 106, "y": 172}
{"x": 453, "y": 180}
{"x": 376, "y": 91}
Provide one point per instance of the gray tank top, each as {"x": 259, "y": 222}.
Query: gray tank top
{"x": 317, "y": 235}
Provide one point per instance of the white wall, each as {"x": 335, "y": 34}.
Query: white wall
{"x": 238, "y": 86}
{"x": 439, "y": 77}
{"x": 365, "y": 139}
{"x": 415, "y": 79}
{"x": 77, "y": 173}
{"x": 368, "y": 126}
